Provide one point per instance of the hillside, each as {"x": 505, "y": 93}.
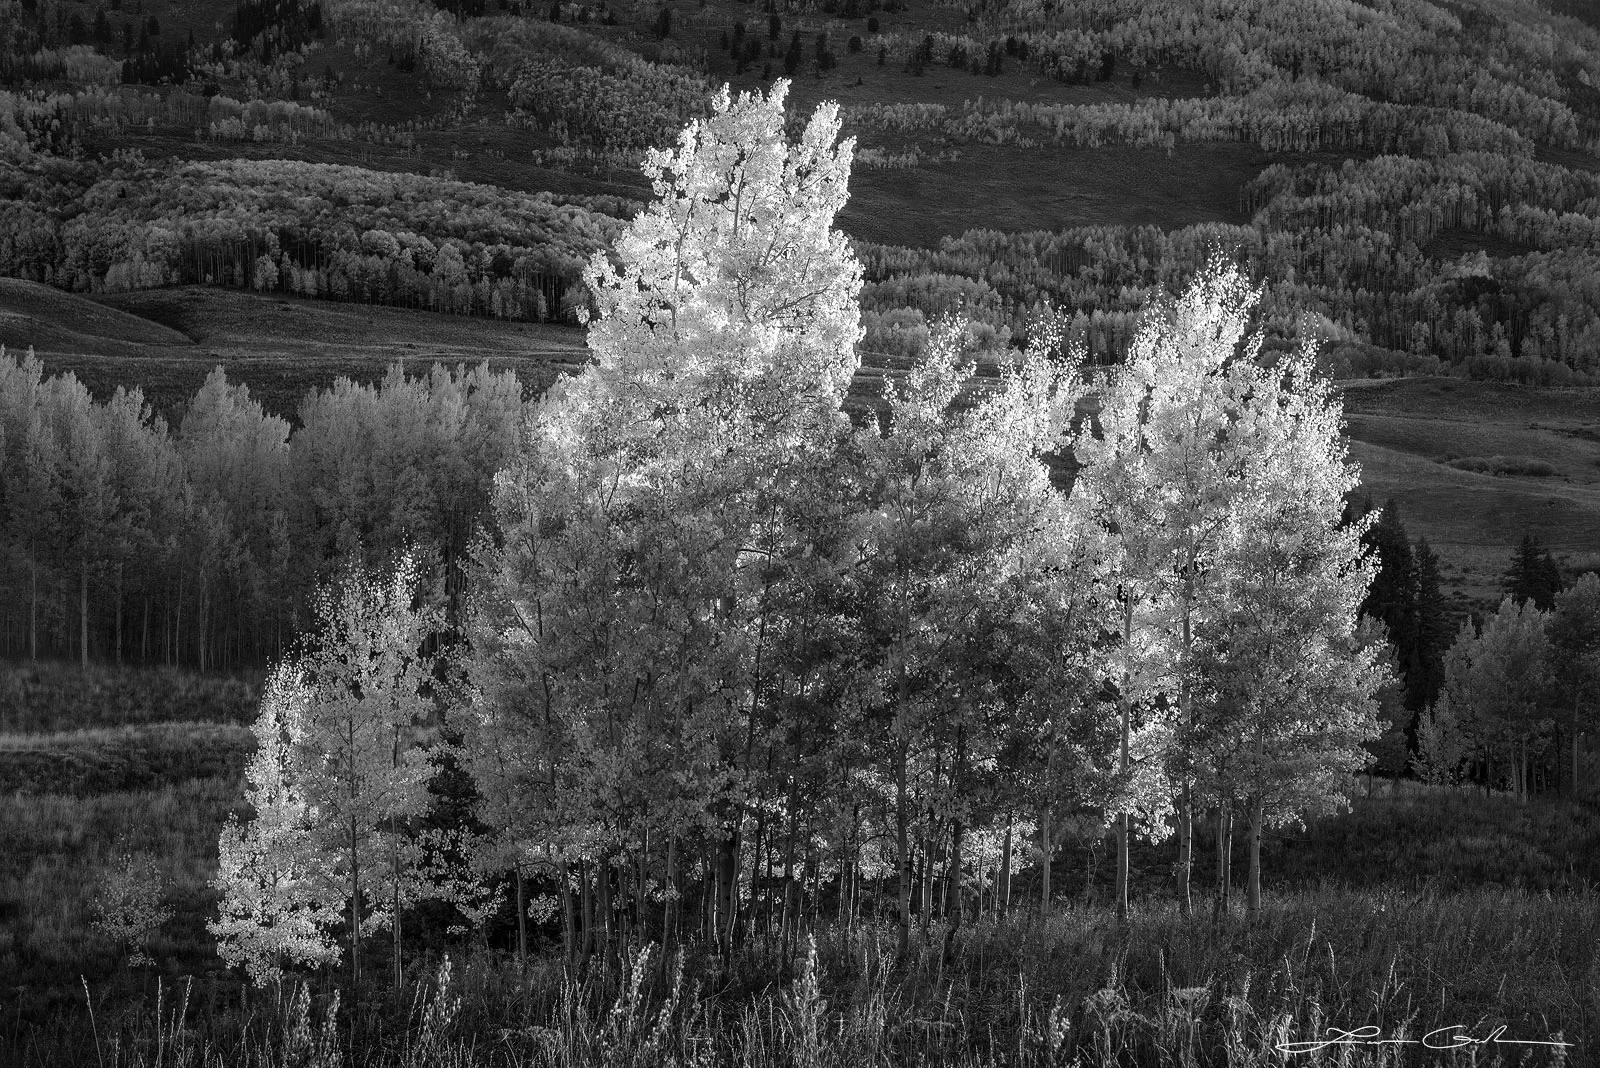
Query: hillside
{"x": 1474, "y": 466}
{"x": 166, "y": 341}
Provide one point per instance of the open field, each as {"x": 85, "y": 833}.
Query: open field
{"x": 1405, "y": 433}
{"x": 1441, "y": 921}
{"x": 167, "y": 341}
{"x": 1004, "y": 187}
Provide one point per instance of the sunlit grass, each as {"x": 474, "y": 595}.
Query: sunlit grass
{"x": 1070, "y": 988}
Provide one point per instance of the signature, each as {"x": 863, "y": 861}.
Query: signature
{"x": 1451, "y": 1037}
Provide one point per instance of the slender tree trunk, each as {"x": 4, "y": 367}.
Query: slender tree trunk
{"x": 355, "y": 912}
{"x": 790, "y": 896}
{"x": 1253, "y": 902}
{"x": 641, "y": 915}
{"x": 669, "y": 919}
{"x": 119, "y": 613}
{"x": 730, "y": 860}
{"x": 1186, "y": 801}
{"x": 144, "y": 634}
{"x": 955, "y": 903}
{"x": 757, "y": 860}
{"x": 1224, "y": 856}
{"x": 586, "y": 892}
{"x": 1003, "y": 884}
{"x": 83, "y": 609}
{"x": 1126, "y": 716}
{"x": 902, "y": 846}
{"x": 33, "y": 609}
{"x": 394, "y": 873}
{"x": 522, "y": 920}
{"x": 603, "y": 880}
{"x": 1046, "y": 858}
{"x": 929, "y": 868}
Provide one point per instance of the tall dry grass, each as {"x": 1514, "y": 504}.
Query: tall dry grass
{"x": 1071, "y": 988}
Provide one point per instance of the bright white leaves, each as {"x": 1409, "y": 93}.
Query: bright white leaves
{"x": 733, "y": 284}
{"x": 276, "y": 903}
{"x": 337, "y": 771}
{"x": 1293, "y": 683}
{"x": 1223, "y": 482}
{"x": 618, "y": 650}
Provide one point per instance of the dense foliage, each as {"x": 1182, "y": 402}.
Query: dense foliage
{"x": 725, "y": 647}
{"x": 1405, "y": 134}
{"x": 313, "y": 230}
{"x": 202, "y": 543}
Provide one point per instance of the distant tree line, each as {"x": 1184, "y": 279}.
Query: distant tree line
{"x": 1521, "y": 687}
{"x": 378, "y": 238}
{"x": 1517, "y": 688}
{"x": 127, "y": 540}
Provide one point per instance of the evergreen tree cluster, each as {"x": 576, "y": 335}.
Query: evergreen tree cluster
{"x": 1533, "y": 575}
{"x": 1405, "y": 597}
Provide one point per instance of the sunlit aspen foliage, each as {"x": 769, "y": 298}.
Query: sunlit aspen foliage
{"x": 339, "y": 775}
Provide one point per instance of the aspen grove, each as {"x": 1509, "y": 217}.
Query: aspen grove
{"x": 736, "y": 647}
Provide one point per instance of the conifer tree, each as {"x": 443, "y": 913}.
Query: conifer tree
{"x": 1392, "y": 598}
{"x": 1533, "y": 574}
{"x": 1423, "y": 662}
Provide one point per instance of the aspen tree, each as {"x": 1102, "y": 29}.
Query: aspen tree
{"x": 1163, "y": 476}
{"x": 338, "y": 774}
{"x": 1292, "y": 679}
{"x": 627, "y": 619}
{"x": 277, "y": 904}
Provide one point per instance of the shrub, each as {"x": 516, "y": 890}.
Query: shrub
{"x": 129, "y": 907}
{"x": 1526, "y": 466}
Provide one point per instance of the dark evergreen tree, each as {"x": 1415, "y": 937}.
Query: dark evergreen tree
{"x": 791, "y": 58}
{"x": 1423, "y": 660}
{"x": 1392, "y": 598}
{"x": 1533, "y": 575}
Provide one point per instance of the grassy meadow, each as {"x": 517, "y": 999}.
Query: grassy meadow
{"x": 167, "y": 341}
{"x": 1421, "y": 908}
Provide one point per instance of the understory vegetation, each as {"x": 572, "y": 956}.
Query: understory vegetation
{"x": 1438, "y": 915}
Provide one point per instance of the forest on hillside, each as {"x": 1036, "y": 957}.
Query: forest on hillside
{"x": 1429, "y": 206}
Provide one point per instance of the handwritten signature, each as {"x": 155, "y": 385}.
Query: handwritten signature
{"x": 1451, "y": 1037}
